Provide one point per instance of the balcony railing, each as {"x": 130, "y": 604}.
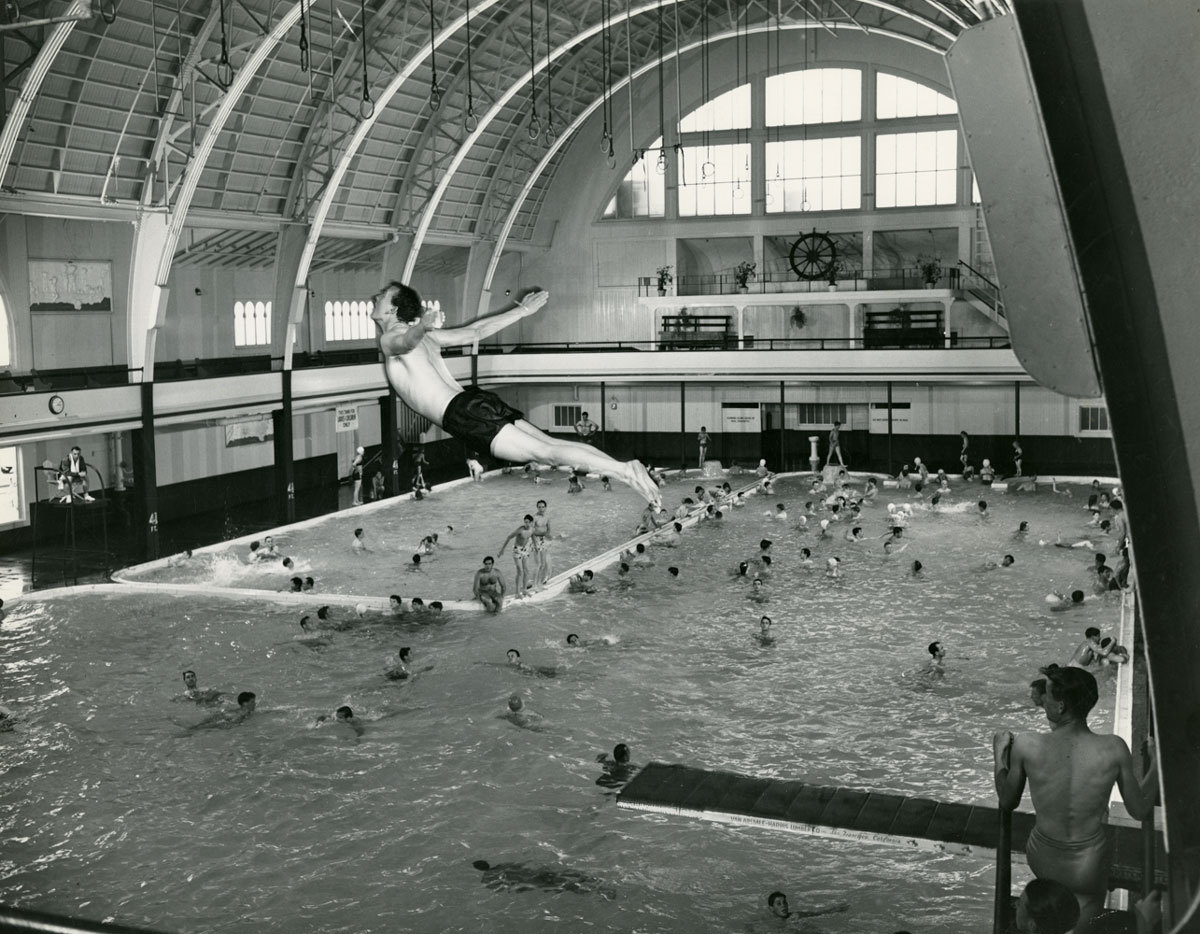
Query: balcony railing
{"x": 770, "y": 281}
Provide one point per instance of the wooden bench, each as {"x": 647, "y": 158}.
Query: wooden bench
{"x": 696, "y": 332}
{"x": 902, "y": 328}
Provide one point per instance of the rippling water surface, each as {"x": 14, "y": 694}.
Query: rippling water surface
{"x": 112, "y": 807}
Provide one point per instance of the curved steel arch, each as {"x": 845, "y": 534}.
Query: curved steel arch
{"x": 567, "y": 134}
{"x": 33, "y": 83}
{"x": 432, "y": 205}
{"x": 339, "y": 172}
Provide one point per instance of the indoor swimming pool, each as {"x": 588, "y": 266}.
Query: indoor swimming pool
{"x": 114, "y": 807}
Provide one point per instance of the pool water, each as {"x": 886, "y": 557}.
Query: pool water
{"x": 482, "y": 515}
{"x": 113, "y": 808}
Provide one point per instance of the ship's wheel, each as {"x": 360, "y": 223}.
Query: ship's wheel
{"x": 812, "y": 256}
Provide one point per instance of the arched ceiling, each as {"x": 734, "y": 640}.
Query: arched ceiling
{"x": 103, "y": 119}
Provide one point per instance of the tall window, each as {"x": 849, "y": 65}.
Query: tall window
{"x": 251, "y": 324}
{"x": 715, "y": 180}
{"x": 1093, "y": 419}
{"x": 916, "y": 168}
{"x": 819, "y": 95}
{"x": 642, "y": 192}
{"x": 814, "y": 175}
{"x": 349, "y": 321}
{"x": 898, "y": 97}
{"x": 565, "y": 416}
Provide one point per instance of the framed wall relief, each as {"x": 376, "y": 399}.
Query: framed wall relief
{"x": 70, "y": 285}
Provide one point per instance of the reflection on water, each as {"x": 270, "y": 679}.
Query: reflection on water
{"x": 111, "y": 807}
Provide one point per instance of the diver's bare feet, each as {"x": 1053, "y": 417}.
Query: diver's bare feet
{"x": 636, "y": 476}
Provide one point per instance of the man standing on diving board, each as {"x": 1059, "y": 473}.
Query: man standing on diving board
{"x": 411, "y": 338}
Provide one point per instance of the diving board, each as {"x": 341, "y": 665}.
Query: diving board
{"x": 851, "y": 814}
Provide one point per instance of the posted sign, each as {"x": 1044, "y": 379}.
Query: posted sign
{"x": 347, "y": 418}
{"x": 741, "y": 418}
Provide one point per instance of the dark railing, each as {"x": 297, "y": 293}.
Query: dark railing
{"x": 785, "y": 281}
{"x": 217, "y": 367}
{"x": 981, "y": 287}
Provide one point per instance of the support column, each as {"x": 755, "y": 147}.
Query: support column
{"x": 741, "y": 316}
{"x": 389, "y": 425}
{"x": 1017, "y": 410}
{"x": 475, "y": 298}
{"x": 145, "y": 471}
{"x": 289, "y": 252}
{"x": 782, "y": 422}
{"x": 603, "y": 418}
{"x": 868, "y": 252}
{"x": 891, "y": 464}
{"x": 285, "y": 468}
{"x": 147, "y": 296}
{"x": 683, "y": 425}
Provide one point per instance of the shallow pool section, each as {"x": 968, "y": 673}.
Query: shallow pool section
{"x": 114, "y": 808}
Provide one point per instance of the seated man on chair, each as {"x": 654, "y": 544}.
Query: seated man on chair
{"x": 72, "y": 477}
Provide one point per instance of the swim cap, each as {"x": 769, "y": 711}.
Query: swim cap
{"x": 360, "y": 609}
{"x": 359, "y": 450}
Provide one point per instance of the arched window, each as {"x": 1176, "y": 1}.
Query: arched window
{"x": 916, "y": 168}
{"x": 819, "y": 95}
{"x": 897, "y": 97}
{"x": 729, "y": 111}
{"x": 251, "y": 324}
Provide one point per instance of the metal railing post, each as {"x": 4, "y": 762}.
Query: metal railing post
{"x": 1003, "y": 873}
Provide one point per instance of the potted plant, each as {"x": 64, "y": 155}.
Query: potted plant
{"x": 664, "y": 278}
{"x": 799, "y": 318}
{"x": 931, "y": 269}
{"x": 742, "y": 273}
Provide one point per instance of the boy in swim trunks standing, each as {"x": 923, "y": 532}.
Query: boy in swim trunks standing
{"x": 541, "y": 544}
{"x": 522, "y": 549}
{"x": 411, "y": 338}
{"x": 1071, "y": 772}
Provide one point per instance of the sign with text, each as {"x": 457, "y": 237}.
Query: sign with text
{"x": 347, "y": 418}
{"x": 745, "y": 418}
{"x": 900, "y": 417}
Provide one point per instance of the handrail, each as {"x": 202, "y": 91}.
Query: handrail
{"x": 1000, "y": 907}
{"x": 976, "y": 272}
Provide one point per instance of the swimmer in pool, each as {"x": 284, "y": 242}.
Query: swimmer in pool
{"x": 1006, "y": 562}
{"x": 582, "y": 582}
{"x": 668, "y": 537}
{"x": 522, "y": 539}
{"x": 764, "y": 635}
{"x": 247, "y": 701}
{"x": 573, "y": 484}
{"x": 343, "y": 716}
{"x": 982, "y": 507}
{"x": 1089, "y": 652}
{"x": 539, "y": 671}
{"x": 777, "y": 904}
{"x": 895, "y": 541}
{"x": 684, "y": 509}
{"x": 414, "y": 565}
{"x": 855, "y": 534}
{"x": 741, "y": 570}
{"x": 395, "y": 667}
{"x": 618, "y": 770}
{"x": 805, "y": 558}
{"x": 360, "y": 543}
{"x": 917, "y": 567}
{"x": 673, "y": 572}
{"x": 396, "y": 605}
{"x": 192, "y": 693}
{"x": 295, "y": 585}
{"x": 1113, "y": 654}
{"x": 833, "y": 567}
{"x": 574, "y": 642}
{"x": 309, "y": 636}
{"x": 521, "y": 877}
{"x": 757, "y": 592}
{"x": 1060, "y": 602}
{"x": 605, "y": 483}
{"x": 937, "y": 659}
{"x": 764, "y": 566}
{"x": 488, "y": 586}
{"x": 8, "y": 720}
{"x": 265, "y": 551}
{"x": 987, "y": 473}
{"x": 179, "y": 560}
{"x": 1022, "y": 530}
{"x": 518, "y": 715}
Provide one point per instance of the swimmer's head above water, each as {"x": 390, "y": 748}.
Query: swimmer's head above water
{"x": 514, "y": 704}
{"x": 573, "y": 639}
{"x": 778, "y": 904}
{"x": 513, "y": 656}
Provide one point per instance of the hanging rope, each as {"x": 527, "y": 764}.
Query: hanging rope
{"x": 471, "y": 122}
{"x": 551, "y": 133}
{"x": 660, "y": 164}
{"x": 366, "y": 107}
{"x": 707, "y": 169}
{"x": 605, "y": 77}
{"x": 435, "y": 93}
{"x": 678, "y": 104}
{"x": 535, "y": 125}
{"x": 637, "y": 154}
{"x": 224, "y": 68}
{"x": 305, "y": 56}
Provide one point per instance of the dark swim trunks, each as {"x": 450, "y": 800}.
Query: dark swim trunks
{"x": 476, "y": 415}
